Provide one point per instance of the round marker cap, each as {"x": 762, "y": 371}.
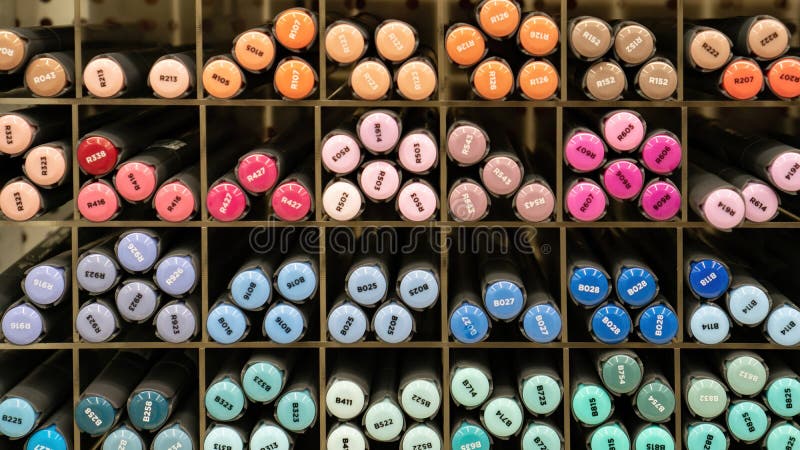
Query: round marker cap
{"x": 492, "y": 79}
{"x": 746, "y": 375}
{"x": 503, "y": 300}
{"x": 222, "y": 78}
{"x": 742, "y": 79}
{"x": 655, "y": 402}
{"x": 467, "y": 144}
{"x": 367, "y": 285}
{"x": 709, "y": 49}
{"x": 23, "y": 413}
{"x": 94, "y": 415}
{"x": 284, "y": 323}
{"x": 20, "y": 200}
{"x": 176, "y": 275}
{"x": 589, "y": 286}
{"x": 96, "y": 322}
{"x": 135, "y": 181}
{"x": 295, "y": 79}
{"x": 624, "y": 131}
{"x": 379, "y": 180}
{"x": 347, "y": 323}
{"x": 420, "y": 399}
{"x": 45, "y": 284}
{"x": 226, "y": 202}
{"x": 783, "y": 77}
{"x": 342, "y": 200}
{"x": 534, "y": 201}
{"x": 653, "y": 437}
{"x": 222, "y": 436}
{"x": 22, "y": 325}
{"x": 662, "y": 153}
{"x": 104, "y": 77}
{"x": 345, "y": 42}
{"x": 46, "y": 165}
{"x": 623, "y": 179}
{"x": 421, "y": 435}
{"x": 296, "y": 281}
{"x": 268, "y": 434}
{"x": 538, "y": 35}
{"x": 660, "y": 200}
{"x": 782, "y": 396}
{"x": 470, "y": 435}
{"x": 418, "y": 151}
{"x": 251, "y": 289}
{"x": 224, "y": 400}
{"x": 97, "y": 155}
{"x": 291, "y": 201}
{"x": 541, "y": 323}
{"x": 584, "y": 151}
{"x": 541, "y": 394}
{"x": 98, "y": 201}
{"x": 174, "y": 436}
{"x": 295, "y": 28}
{"x": 538, "y": 80}
{"x": 465, "y": 45}
{"x": 621, "y": 373}
{"x": 175, "y": 202}
{"x": 709, "y": 324}
{"x": 345, "y": 399}
{"x": 257, "y": 172}
{"x": 18, "y": 134}
{"x": 762, "y": 201}
{"x": 416, "y": 79}
{"x": 226, "y": 324}
{"x": 419, "y": 288}
{"x": 709, "y": 278}
{"x": 705, "y": 436}
{"x": 540, "y": 436}
{"x": 148, "y": 410}
{"x": 137, "y": 251}
{"x": 296, "y": 410}
{"x": 502, "y": 417}
{"x": 124, "y": 437}
{"x": 586, "y": 201}
{"x": 262, "y": 381}
{"x": 468, "y": 201}
{"x": 341, "y": 153}
{"x": 346, "y": 436}
{"x": 254, "y": 50}
{"x": 469, "y": 387}
{"x": 176, "y": 323}
{"x": 384, "y": 421}
{"x": 395, "y": 40}
{"x": 379, "y": 131}
{"x": 706, "y": 398}
{"x": 782, "y": 326}
{"x": 724, "y": 208}
{"x": 393, "y": 323}
{"x": 469, "y": 324}
{"x": 611, "y": 324}
{"x": 180, "y": 83}
{"x": 591, "y": 404}
{"x": 47, "y": 439}
{"x": 747, "y": 421}
{"x": 782, "y": 436}
{"x": 768, "y": 38}
{"x": 96, "y": 273}
{"x": 498, "y": 18}
{"x": 590, "y": 38}
{"x": 417, "y": 201}
{"x": 658, "y": 324}
{"x": 783, "y": 171}
{"x": 610, "y": 436}
{"x": 636, "y": 286}
{"x": 136, "y": 300}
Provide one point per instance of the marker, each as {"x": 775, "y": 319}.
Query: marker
{"x": 370, "y": 80}
{"x": 292, "y": 200}
{"x": 707, "y": 49}
{"x": 24, "y": 324}
{"x": 347, "y": 323}
{"x": 51, "y": 74}
{"x": 470, "y": 379}
{"x": 584, "y": 150}
{"x": 156, "y": 397}
{"x": 585, "y": 200}
{"x": 177, "y": 272}
{"x": 395, "y": 40}
{"x": 225, "y": 400}
{"x": 501, "y": 284}
{"x": 653, "y": 436}
{"x": 19, "y": 45}
{"x": 782, "y": 389}
{"x": 589, "y": 37}
{"x": 492, "y": 79}
{"x": 176, "y": 321}
{"x": 661, "y": 152}
{"x": 422, "y": 435}
{"x": 741, "y": 79}
{"x": 708, "y": 323}
{"x": 393, "y": 323}
{"x": 465, "y": 45}
{"x": 47, "y": 283}
{"x": 228, "y": 435}
{"x": 97, "y": 271}
{"x": 654, "y": 401}
{"x": 502, "y": 415}
{"x": 610, "y": 323}
{"x": 469, "y": 322}
{"x": 295, "y": 78}
{"x": 125, "y": 435}
{"x": 538, "y": 34}
{"x": 118, "y": 74}
{"x": 620, "y": 370}
{"x": 418, "y": 151}
{"x": 781, "y": 435}
{"x": 21, "y": 200}
{"x": 254, "y": 49}
{"x": 267, "y": 432}
{"x": 468, "y": 201}
{"x": 32, "y": 400}
{"x": 538, "y": 80}
{"x": 623, "y": 130}
{"x": 28, "y": 127}
{"x": 55, "y": 432}
{"x": 367, "y": 279}
{"x": 98, "y": 201}
{"x": 467, "y": 143}
{"x": 384, "y": 421}
{"x": 783, "y": 77}
{"x": 379, "y": 130}
{"x": 49, "y": 165}
{"x": 296, "y": 278}
{"x": 634, "y": 43}
{"x": 296, "y": 408}
{"x": 102, "y": 402}
{"x": 347, "y": 393}
{"x": 418, "y": 274}
{"x": 295, "y": 29}
{"x": 762, "y": 201}
{"x": 137, "y": 300}
{"x": 173, "y": 75}
{"x": 347, "y": 39}
{"x": 707, "y": 275}
{"x": 340, "y": 150}
{"x": 539, "y": 386}
{"x": 541, "y": 434}
{"x": 420, "y": 388}
{"x": 379, "y": 180}
{"x": 178, "y": 198}
{"x": 227, "y": 323}
{"x": 499, "y": 19}
{"x": 748, "y": 301}
{"x": 285, "y": 323}
{"x": 761, "y": 36}
{"x": 781, "y": 324}
{"x": 502, "y": 170}
{"x": 623, "y": 179}
{"x": 713, "y": 199}
{"x": 138, "y": 250}
{"x": 591, "y": 402}
{"x": 468, "y": 433}
{"x": 417, "y": 201}
{"x": 226, "y": 200}
{"x": 660, "y": 200}
{"x": 658, "y": 322}
{"x": 589, "y": 281}
{"x": 604, "y": 80}
{"x": 635, "y": 280}
{"x": 705, "y": 395}
{"x": 745, "y": 373}
{"x": 747, "y": 421}
{"x": 702, "y": 435}
{"x": 657, "y": 79}
{"x": 181, "y": 431}
{"x": 97, "y": 321}
{"x": 224, "y": 79}
{"x": 251, "y": 286}
{"x": 265, "y": 374}
{"x": 609, "y": 436}
{"x": 345, "y": 435}
{"x": 416, "y": 78}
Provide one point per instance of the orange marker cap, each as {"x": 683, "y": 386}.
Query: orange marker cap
{"x": 465, "y": 45}
{"x": 499, "y": 18}
{"x": 538, "y": 80}
{"x": 492, "y": 79}
{"x": 742, "y": 79}
{"x": 538, "y": 35}
{"x": 296, "y": 28}
{"x": 783, "y": 77}
{"x": 222, "y": 78}
{"x": 254, "y": 50}
{"x": 295, "y": 79}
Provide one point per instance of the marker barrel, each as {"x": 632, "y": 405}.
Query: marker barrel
{"x": 347, "y": 394}
{"x": 716, "y": 201}
{"x": 28, "y": 127}
{"x": 420, "y": 389}
{"x": 383, "y": 419}
{"x": 25, "y": 42}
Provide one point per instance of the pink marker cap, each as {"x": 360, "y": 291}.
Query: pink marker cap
{"x": 623, "y": 179}
{"x": 586, "y": 201}
{"x": 379, "y": 180}
{"x": 46, "y": 165}
{"x": 660, "y": 200}
{"x": 468, "y": 201}
{"x": 662, "y": 152}
{"x": 291, "y": 201}
{"x": 135, "y": 181}
{"x": 418, "y": 152}
{"x": 341, "y": 153}
{"x": 175, "y": 202}
{"x": 342, "y": 200}
{"x": 20, "y": 200}
{"x": 104, "y": 77}
{"x": 98, "y": 201}
{"x": 417, "y": 201}
{"x": 535, "y": 202}
{"x": 17, "y": 134}
{"x": 502, "y": 175}
{"x": 624, "y": 131}
{"x": 784, "y": 171}
{"x": 724, "y": 208}
{"x": 257, "y": 173}
{"x": 584, "y": 151}
{"x": 467, "y": 144}
{"x": 227, "y": 202}
{"x": 761, "y": 202}
{"x": 379, "y": 131}
{"x": 169, "y": 78}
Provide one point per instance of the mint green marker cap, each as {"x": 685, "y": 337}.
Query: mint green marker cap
{"x": 654, "y": 437}
{"x": 224, "y": 400}
{"x": 783, "y": 396}
{"x": 502, "y": 417}
{"x": 541, "y": 436}
{"x": 421, "y": 436}
{"x": 269, "y": 435}
{"x": 296, "y": 410}
{"x": 469, "y": 435}
{"x": 470, "y": 387}
{"x": 746, "y": 375}
{"x": 541, "y": 394}
{"x": 747, "y": 421}
{"x": 420, "y": 399}
{"x": 222, "y": 436}
{"x": 706, "y": 398}
{"x": 705, "y": 436}
{"x": 611, "y": 436}
{"x": 384, "y": 420}
{"x": 655, "y": 401}
{"x": 782, "y": 436}
{"x": 621, "y": 373}
{"x": 262, "y": 382}
{"x": 591, "y": 404}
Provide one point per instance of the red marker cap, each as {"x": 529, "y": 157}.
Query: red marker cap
{"x": 97, "y": 155}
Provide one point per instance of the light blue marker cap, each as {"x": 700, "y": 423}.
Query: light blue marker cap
{"x": 24, "y": 416}
{"x": 503, "y": 300}
{"x": 221, "y": 436}
{"x": 589, "y": 286}
{"x": 296, "y": 410}
{"x": 367, "y": 285}
{"x": 541, "y": 436}
{"x": 48, "y": 438}
{"x": 137, "y": 251}
{"x": 251, "y": 289}
{"x": 393, "y": 323}
{"x": 747, "y": 421}
{"x": 22, "y": 324}
{"x": 269, "y": 435}
{"x": 708, "y": 278}
{"x": 783, "y": 325}
{"x": 123, "y": 437}
{"x": 226, "y": 323}
{"x": 748, "y": 304}
{"x": 148, "y": 410}
{"x": 469, "y": 435}
{"x": 262, "y": 381}
{"x": 541, "y": 323}
{"x": 284, "y": 323}
{"x": 96, "y": 272}
{"x": 224, "y": 400}
{"x": 176, "y": 275}
{"x": 419, "y": 288}
{"x": 709, "y": 324}
{"x": 611, "y": 324}
{"x": 783, "y": 396}
{"x": 95, "y": 415}
{"x": 658, "y": 324}
{"x": 469, "y": 323}
{"x": 173, "y": 437}
{"x": 705, "y": 436}
{"x": 782, "y": 436}
{"x": 46, "y": 284}
{"x": 296, "y": 281}
{"x": 636, "y": 286}
{"x": 347, "y": 323}
{"x": 610, "y": 436}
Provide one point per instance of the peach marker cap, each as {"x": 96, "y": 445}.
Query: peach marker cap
{"x": 344, "y": 43}
{"x": 254, "y": 50}
{"x": 492, "y": 79}
{"x": 538, "y": 35}
{"x": 465, "y": 45}
{"x": 395, "y": 40}
{"x": 742, "y": 79}
{"x": 538, "y": 80}
{"x": 20, "y": 200}
{"x": 416, "y": 79}
{"x": 104, "y": 77}
{"x": 370, "y": 79}
{"x": 45, "y": 77}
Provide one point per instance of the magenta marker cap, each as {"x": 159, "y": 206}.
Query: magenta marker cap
{"x": 467, "y": 143}
{"x": 723, "y": 208}
{"x": 586, "y": 201}
{"x": 660, "y": 200}
{"x": 662, "y": 152}
{"x": 257, "y": 172}
{"x": 584, "y": 151}
{"x": 535, "y": 201}
{"x": 468, "y": 201}
{"x": 761, "y": 201}
{"x": 379, "y": 180}
{"x": 379, "y": 131}
{"x": 340, "y": 153}
{"x": 623, "y": 179}
{"x": 502, "y": 175}
{"x": 417, "y": 201}
{"x": 291, "y": 201}
{"x": 418, "y": 152}
{"x": 227, "y": 202}
{"x": 623, "y": 130}
{"x": 784, "y": 171}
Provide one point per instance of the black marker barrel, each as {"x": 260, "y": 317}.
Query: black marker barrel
{"x": 384, "y": 420}
{"x": 347, "y": 394}
{"x": 155, "y": 398}
{"x": 16, "y": 365}
{"x": 19, "y": 44}
{"x": 469, "y": 322}
{"x": 28, "y": 127}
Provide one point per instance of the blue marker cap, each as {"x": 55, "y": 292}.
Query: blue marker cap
{"x": 611, "y": 324}
{"x": 220, "y": 436}
{"x": 468, "y": 435}
{"x": 45, "y": 284}
{"x": 469, "y": 323}
{"x": 296, "y": 281}
{"x": 136, "y": 300}
{"x": 347, "y": 323}
{"x": 708, "y": 278}
{"x": 296, "y": 410}
{"x": 21, "y": 410}
{"x": 176, "y": 275}
{"x": 658, "y": 324}
{"x": 22, "y": 324}
{"x": 393, "y": 323}
{"x": 172, "y": 437}
{"x": 48, "y": 438}
{"x": 262, "y": 381}
{"x": 284, "y": 323}
{"x": 418, "y": 288}
{"x": 137, "y": 251}
{"x": 783, "y": 325}
{"x": 224, "y": 400}
{"x": 709, "y": 324}
{"x": 366, "y": 285}
{"x": 95, "y": 415}
{"x": 251, "y": 289}
{"x": 503, "y": 300}
{"x": 123, "y": 437}
{"x": 589, "y": 286}
{"x": 636, "y": 286}
{"x": 748, "y": 304}
{"x": 148, "y": 410}
{"x": 541, "y": 323}
{"x": 226, "y": 323}
{"x": 96, "y": 272}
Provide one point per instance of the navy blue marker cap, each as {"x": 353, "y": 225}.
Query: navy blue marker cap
{"x": 296, "y": 281}
{"x": 284, "y": 323}
{"x": 589, "y": 286}
{"x": 137, "y": 251}
{"x": 541, "y": 323}
{"x": 658, "y": 323}
{"x": 226, "y": 323}
{"x": 347, "y": 323}
{"x": 708, "y": 278}
{"x": 469, "y": 323}
{"x": 636, "y": 286}
{"x": 611, "y": 324}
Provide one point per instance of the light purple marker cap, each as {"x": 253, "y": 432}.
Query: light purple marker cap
{"x": 22, "y": 324}
{"x": 417, "y": 201}
{"x": 661, "y": 152}
{"x": 467, "y": 144}
{"x": 340, "y": 153}
{"x": 660, "y": 200}
{"x": 586, "y": 201}
{"x": 418, "y": 152}
{"x": 468, "y": 201}
{"x": 534, "y": 202}
{"x": 379, "y": 130}
{"x": 623, "y": 179}
{"x": 96, "y": 322}
{"x": 584, "y": 151}
{"x": 175, "y": 323}
{"x": 379, "y": 180}
{"x": 784, "y": 171}
{"x": 724, "y": 208}
{"x": 502, "y": 175}
{"x": 624, "y": 130}
{"x": 761, "y": 202}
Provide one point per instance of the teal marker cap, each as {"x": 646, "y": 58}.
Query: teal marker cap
{"x": 611, "y": 436}
{"x": 48, "y": 438}
{"x": 296, "y": 410}
{"x": 270, "y": 435}
{"x": 468, "y": 435}
{"x": 654, "y": 437}
{"x": 783, "y": 396}
{"x": 262, "y": 382}
{"x": 123, "y": 437}
{"x": 591, "y": 404}
{"x": 224, "y": 400}
{"x": 706, "y": 398}
{"x": 502, "y": 417}
{"x": 172, "y": 437}
{"x": 782, "y": 436}
{"x": 655, "y": 401}
{"x": 541, "y": 436}
{"x": 148, "y": 410}
{"x": 95, "y": 415}
{"x": 621, "y": 373}
{"x": 705, "y": 436}
{"x": 19, "y": 417}
{"x": 747, "y": 421}
{"x": 469, "y": 387}
{"x": 541, "y": 394}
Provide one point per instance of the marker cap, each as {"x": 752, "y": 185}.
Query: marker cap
{"x": 623, "y": 179}
{"x": 706, "y": 398}
{"x": 421, "y": 399}
{"x": 512, "y": 417}
{"x": 708, "y": 278}
{"x": 98, "y": 201}
{"x": 747, "y": 421}
{"x": 654, "y": 436}
{"x": 591, "y": 404}
{"x": 418, "y": 151}
{"x": 174, "y": 436}
{"x": 539, "y": 435}
{"x": 636, "y": 286}
{"x": 148, "y": 410}
{"x": 421, "y": 435}
{"x": 224, "y": 400}
{"x": 176, "y": 275}
{"x": 781, "y": 171}
{"x": 346, "y": 436}
{"x": 95, "y": 415}
{"x": 538, "y": 34}
{"x": 342, "y": 200}
{"x": 611, "y": 324}
{"x": 469, "y": 323}
{"x": 396, "y": 40}
{"x": 173, "y": 69}
{"x": 176, "y": 323}
{"x": 492, "y": 79}
{"x": 534, "y": 201}
{"x": 251, "y": 289}
{"x": 541, "y": 323}
{"x": 367, "y": 284}
{"x": 498, "y": 18}
{"x": 541, "y": 394}
{"x": 379, "y": 180}
{"x": 291, "y": 201}
{"x": 589, "y": 286}
{"x": 257, "y": 172}
{"x": 418, "y": 288}
{"x": 284, "y": 323}
{"x": 782, "y": 396}
{"x": 96, "y": 272}
{"x": 417, "y": 201}
{"x": 470, "y": 435}
{"x": 296, "y": 281}
{"x": 295, "y": 28}
{"x": 384, "y": 412}
{"x": 46, "y": 284}
{"x": 706, "y": 435}
{"x": 48, "y": 438}
{"x": 469, "y": 387}
{"x": 227, "y": 324}
{"x": 20, "y": 200}
{"x": 97, "y": 155}
{"x": 467, "y": 143}
{"x": 222, "y": 436}
{"x": 379, "y": 131}
{"x": 504, "y": 300}
{"x": 23, "y": 411}
{"x": 746, "y": 375}
{"x": 586, "y": 201}
{"x": 109, "y": 77}
{"x": 742, "y": 79}
{"x": 662, "y": 152}
{"x": 762, "y": 201}
{"x": 621, "y": 373}
{"x": 370, "y": 79}
{"x": 254, "y": 50}
{"x": 590, "y": 37}
{"x": 660, "y": 200}
{"x": 538, "y": 80}
{"x": 704, "y": 40}
{"x": 781, "y": 436}
{"x": 584, "y": 151}
{"x": 655, "y": 401}
{"x": 135, "y": 181}
{"x": 137, "y": 251}
{"x": 393, "y": 323}
{"x": 783, "y": 77}
{"x": 124, "y": 437}
{"x": 22, "y": 324}
{"x": 345, "y": 399}
{"x": 136, "y": 300}
{"x": 296, "y": 410}
{"x": 267, "y": 433}
{"x": 465, "y": 44}
{"x": 341, "y": 152}
{"x": 658, "y": 324}
{"x": 345, "y": 42}
{"x": 347, "y": 323}
{"x": 263, "y": 381}
{"x": 624, "y": 130}
{"x": 609, "y": 437}
{"x": 96, "y": 322}
{"x": 226, "y": 201}
{"x": 175, "y": 202}
{"x": 46, "y": 165}
{"x": 782, "y": 326}
{"x": 709, "y": 324}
